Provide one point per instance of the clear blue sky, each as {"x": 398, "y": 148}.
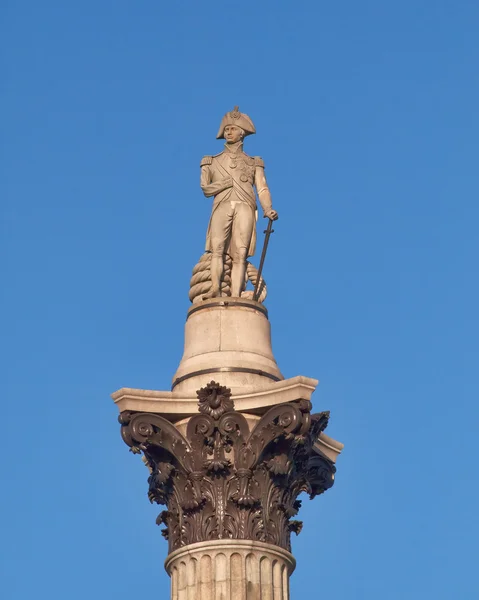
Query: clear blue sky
{"x": 367, "y": 118}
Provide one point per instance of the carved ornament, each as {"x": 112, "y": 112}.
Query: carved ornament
{"x": 223, "y": 481}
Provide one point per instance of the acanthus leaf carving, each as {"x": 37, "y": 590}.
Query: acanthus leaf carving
{"x": 222, "y": 481}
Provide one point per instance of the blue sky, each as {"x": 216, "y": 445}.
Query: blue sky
{"x": 367, "y": 119}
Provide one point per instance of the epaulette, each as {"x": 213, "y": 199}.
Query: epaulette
{"x": 258, "y": 161}
{"x": 206, "y": 160}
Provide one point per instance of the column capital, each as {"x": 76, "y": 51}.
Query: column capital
{"x": 228, "y": 475}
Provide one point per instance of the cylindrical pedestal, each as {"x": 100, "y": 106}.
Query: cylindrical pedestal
{"x": 227, "y": 339}
{"x": 230, "y": 570}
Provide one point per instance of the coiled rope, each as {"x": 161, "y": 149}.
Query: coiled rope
{"x": 200, "y": 283}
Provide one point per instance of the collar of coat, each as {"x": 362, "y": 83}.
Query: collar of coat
{"x": 234, "y": 148}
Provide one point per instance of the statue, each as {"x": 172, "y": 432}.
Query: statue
{"x": 231, "y": 178}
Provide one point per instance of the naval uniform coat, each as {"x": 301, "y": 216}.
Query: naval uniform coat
{"x": 230, "y": 177}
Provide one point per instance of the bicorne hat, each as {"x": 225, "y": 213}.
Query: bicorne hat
{"x": 235, "y": 117}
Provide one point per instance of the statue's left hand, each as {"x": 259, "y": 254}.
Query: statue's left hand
{"x": 271, "y": 214}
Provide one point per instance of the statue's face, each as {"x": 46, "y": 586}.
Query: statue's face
{"x": 233, "y": 134}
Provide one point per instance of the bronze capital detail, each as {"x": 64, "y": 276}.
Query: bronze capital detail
{"x": 222, "y": 480}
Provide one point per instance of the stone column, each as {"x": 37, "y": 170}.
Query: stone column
{"x": 228, "y": 460}
{"x": 230, "y": 570}
{"x": 230, "y": 482}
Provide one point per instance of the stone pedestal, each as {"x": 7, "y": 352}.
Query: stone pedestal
{"x": 227, "y": 339}
{"x": 228, "y": 460}
{"x": 230, "y": 570}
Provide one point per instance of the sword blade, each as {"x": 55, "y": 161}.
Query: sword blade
{"x": 269, "y": 230}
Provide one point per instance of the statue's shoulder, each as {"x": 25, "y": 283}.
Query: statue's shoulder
{"x": 208, "y": 159}
{"x": 255, "y": 161}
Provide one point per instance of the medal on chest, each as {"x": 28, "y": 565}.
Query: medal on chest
{"x": 245, "y": 167}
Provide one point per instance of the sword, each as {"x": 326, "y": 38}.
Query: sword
{"x": 267, "y": 233}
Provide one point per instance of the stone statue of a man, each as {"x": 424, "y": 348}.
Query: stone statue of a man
{"x": 231, "y": 177}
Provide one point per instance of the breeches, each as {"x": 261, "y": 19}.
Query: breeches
{"x": 231, "y": 229}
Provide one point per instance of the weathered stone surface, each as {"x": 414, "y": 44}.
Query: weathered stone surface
{"x": 222, "y": 480}
{"x": 230, "y": 570}
{"x": 231, "y": 178}
{"x": 233, "y": 335}
{"x": 252, "y": 398}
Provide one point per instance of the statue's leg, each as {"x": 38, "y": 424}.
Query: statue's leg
{"x": 220, "y": 230}
{"x": 243, "y": 223}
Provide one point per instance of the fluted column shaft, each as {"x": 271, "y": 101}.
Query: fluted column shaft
{"x": 230, "y": 570}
